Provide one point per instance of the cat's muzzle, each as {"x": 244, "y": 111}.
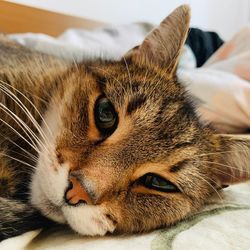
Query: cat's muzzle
{"x": 76, "y": 194}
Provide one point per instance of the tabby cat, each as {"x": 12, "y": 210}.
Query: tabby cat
{"x": 107, "y": 146}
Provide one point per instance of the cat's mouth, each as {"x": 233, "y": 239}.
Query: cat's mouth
{"x": 47, "y": 207}
{"x": 54, "y": 212}
{"x": 47, "y": 193}
{"x": 48, "y": 197}
{"x": 84, "y": 219}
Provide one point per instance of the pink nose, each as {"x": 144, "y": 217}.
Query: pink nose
{"x": 76, "y": 194}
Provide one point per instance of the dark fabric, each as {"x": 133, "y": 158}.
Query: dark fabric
{"x": 203, "y": 44}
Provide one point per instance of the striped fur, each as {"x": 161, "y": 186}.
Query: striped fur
{"x": 158, "y": 131}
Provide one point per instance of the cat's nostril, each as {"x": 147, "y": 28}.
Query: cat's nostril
{"x": 76, "y": 194}
{"x": 59, "y": 157}
{"x": 70, "y": 185}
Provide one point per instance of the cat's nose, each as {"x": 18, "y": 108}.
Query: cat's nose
{"x": 76, "y": 194}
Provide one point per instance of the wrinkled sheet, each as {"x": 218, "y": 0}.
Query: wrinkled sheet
{"x": 222, "y": 85}
{"x": 221, "y": 88}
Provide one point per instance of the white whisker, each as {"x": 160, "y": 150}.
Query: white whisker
{"x": 28, "y": 153}
{"x": 129, "y": 75}
{"x": 38, "y": 112}
{"x": 18, "y": 160}
{"x": 221, "y": 152}
{"x": 213, "y": 188}
{"x": 17, "y": 133}
{"x": 30, "y": 134}
{"x": 23, "y": 155}
{"x": 25, "y": 110}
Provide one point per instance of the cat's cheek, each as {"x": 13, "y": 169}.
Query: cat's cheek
{"x": 47, "y": 190}
{"x": 88, "y": 220}
{"x": 40, "y": 201}
{"x": 50, "y": 183}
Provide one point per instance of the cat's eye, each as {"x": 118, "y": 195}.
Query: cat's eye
{"x": 106, "y": 118}
{"x": 153, "y": 181}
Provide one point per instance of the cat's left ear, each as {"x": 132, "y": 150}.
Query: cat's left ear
{"x": 163, "y": 45}
{"x": 234, "y": 159}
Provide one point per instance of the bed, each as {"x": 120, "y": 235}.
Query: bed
{"x": 224, "y": 223}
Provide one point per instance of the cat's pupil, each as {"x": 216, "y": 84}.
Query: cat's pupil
{"x": 161, "y": 183}
{"x": 105, "y": 116}
{"x": 156, "y": 182}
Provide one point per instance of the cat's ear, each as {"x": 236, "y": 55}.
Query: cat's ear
{"x": 234, "y": 165}
{"x": 163, "y": 45}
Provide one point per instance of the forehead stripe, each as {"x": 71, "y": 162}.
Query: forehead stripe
{"x": 135, "y": 103}
{"x": 175, "y": 168}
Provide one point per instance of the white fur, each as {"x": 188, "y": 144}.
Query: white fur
{"x": 50, "y": 182}
{"x": 39, "y": 200}
{"x": 88, "y": 220}
{"x": 50, "y": 178}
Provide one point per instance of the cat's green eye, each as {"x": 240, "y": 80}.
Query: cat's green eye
{"x": 105, "y": 116}
{"x": 158, "y": 183}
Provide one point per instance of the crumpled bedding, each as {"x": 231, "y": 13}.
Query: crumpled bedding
{"x": 110, "y": 42}
{"x": 222, "y": 85}
{"x": 222, "y": 92}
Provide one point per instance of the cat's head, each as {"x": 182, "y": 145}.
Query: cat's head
{"x": 125, "y": 150}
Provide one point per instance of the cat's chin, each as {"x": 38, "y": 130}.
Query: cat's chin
{"x": 88, "y": 220}
{"x": 84, "y": 219}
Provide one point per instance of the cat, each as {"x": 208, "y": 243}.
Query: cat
{"x": 107, "y": 146}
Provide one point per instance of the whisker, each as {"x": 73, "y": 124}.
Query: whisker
{"x": 225, "y": 165}
{"x": 28, "y": 153}
{"x": 16, "y": 119}
{"x": 14, "y": 130}
{"x": 26, "y": 98}
{"x": 18, "y": 160}
{"x": 24, "y": 109}
{"x": 129, "y": 75}
{"x": 241, "y": 171}
{"x": 213, "y": 188}
{"x": 222, "y": 152}
{"x": 31, "y": 135}
{"x": 21, "y": 105}
{"x": 23, "y": 155}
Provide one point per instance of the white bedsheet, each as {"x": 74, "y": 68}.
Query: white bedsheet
{"x": 110, "y": 42}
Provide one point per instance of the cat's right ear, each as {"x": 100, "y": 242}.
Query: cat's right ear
{"x": 234, "y": 163}
{"x": 163, "y": 45}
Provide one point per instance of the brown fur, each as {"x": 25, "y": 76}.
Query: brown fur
{"x": 158, "y": 130}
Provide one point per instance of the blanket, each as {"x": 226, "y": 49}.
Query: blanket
{"x": 221, "y": 88}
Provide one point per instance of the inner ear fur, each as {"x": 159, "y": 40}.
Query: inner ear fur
{"x": 163, "y": 45}
{"x": 234, "y": 166}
